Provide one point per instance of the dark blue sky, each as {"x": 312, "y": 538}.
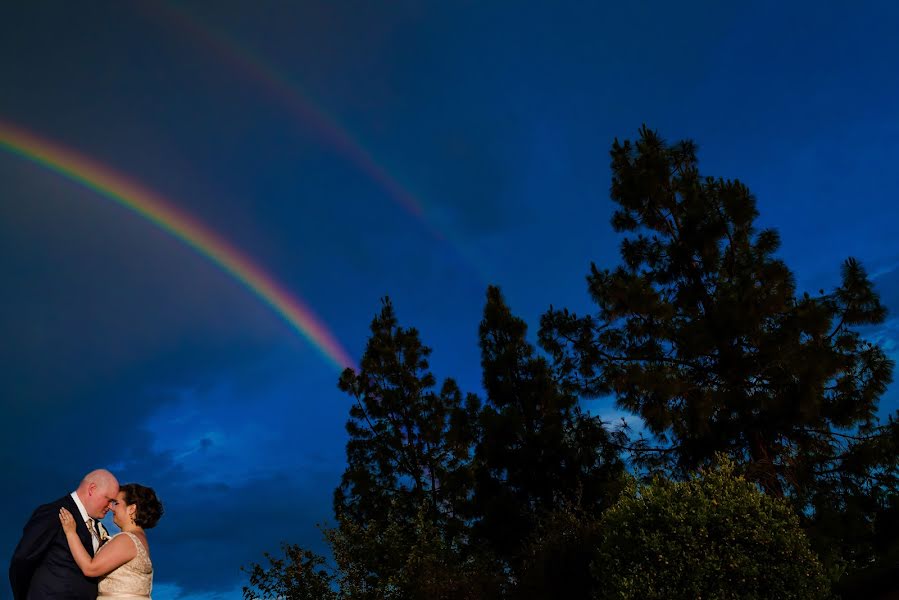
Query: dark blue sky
{"x": 121, "y": 347}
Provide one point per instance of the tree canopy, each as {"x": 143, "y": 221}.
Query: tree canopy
{"x": 702, "y": 333}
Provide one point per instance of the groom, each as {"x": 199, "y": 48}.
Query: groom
{"x": 42, "y": 567}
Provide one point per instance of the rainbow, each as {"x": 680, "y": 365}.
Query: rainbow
{"x": 182, "y": 226}
{"x": 306, "y": 112}
{"x": 229, "y": 52}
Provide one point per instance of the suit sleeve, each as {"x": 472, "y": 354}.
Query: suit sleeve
{"x": 39, "y": 532}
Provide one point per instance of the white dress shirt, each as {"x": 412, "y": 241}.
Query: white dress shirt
{"x": 86, "y": 518}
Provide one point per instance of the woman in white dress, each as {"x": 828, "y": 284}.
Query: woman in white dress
{"x": 123, "y": 562}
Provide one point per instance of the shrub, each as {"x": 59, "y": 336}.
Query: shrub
{"x": 714, "y": 536}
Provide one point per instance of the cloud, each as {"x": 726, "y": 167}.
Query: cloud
{"x": 235, "y": 495}
{"x": 210, "y": 531}
{"x": 243, "y": 445}
{"x": 124, "y": 349}
{"x": 886, "y": 283}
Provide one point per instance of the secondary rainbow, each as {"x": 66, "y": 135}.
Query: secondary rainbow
{"x": 307, "y": 113}
{"x": 181, "y": 225}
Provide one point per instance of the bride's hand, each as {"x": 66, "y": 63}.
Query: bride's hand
{"x": 68, "y": 523}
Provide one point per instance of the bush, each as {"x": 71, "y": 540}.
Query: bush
{"x": 714, "y": 536}
{"x": 557, "y": 561}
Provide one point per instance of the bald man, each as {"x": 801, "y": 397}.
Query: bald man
{"x": 42, "y": 566}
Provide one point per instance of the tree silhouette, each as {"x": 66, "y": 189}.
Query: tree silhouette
{"x": 406, "y": 462}
{"x": 701, "y": 332}
{"x": 537, "y": 449}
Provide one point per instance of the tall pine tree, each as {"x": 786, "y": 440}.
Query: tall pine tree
{"x": 701, "y": 332}
{"x": 406, "y": 464}
{"x": 537, "y": 449}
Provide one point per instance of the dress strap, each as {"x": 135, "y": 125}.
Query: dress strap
{"x": 141, "y": 549}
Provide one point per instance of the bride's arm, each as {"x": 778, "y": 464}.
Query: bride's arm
{"x": 115, "y": 553}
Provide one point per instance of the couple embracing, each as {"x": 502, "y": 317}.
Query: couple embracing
{"x": 65, "y": 552}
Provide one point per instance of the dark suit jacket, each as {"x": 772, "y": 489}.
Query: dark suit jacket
{"x": 42, "y": 566}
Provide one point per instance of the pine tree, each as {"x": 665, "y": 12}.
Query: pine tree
{"x": 702, "y": 333}
{"x": 536, "y": 449}
{"x": 406, "y": 461}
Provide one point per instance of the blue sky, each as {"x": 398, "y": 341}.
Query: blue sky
{"x": 124, "y": 348}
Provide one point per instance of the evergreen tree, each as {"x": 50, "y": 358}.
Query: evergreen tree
{"x": 701, "y": 333}
{"x": 536, "y": 448}
{"x": 300, "y": 575}
{"x": 406, "y": 461}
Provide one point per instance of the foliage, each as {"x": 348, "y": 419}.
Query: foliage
{"x": 557, "y": 561}
{"x": 700, "y": 331}
{"x": 422, "y": 563}
{"x": 536, "y": 449}
{"x": 855, "y": 522}
{"x": 713, "y": 536}
{"x": 299, "y": 575}
{"x": 407, "y": 460}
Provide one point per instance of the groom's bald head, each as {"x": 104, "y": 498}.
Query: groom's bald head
{"x": 97, "y": 491}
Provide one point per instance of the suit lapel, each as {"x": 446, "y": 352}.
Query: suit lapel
{"x": 80, "y": 526}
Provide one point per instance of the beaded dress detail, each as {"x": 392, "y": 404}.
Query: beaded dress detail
{"x": 134, "y": 578}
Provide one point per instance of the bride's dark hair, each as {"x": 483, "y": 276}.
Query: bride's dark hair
{"x": 149, "y": 508}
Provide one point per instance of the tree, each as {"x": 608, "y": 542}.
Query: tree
{"x": 557, "y": 560}
{"x": 713, "y": 536}
{"x": 423, "y": 563}
{"x": 536, "y": 449}
{"x": 701, "y": 332}
{"x": 407, "y": 459}
{"x": 300, "y": 575}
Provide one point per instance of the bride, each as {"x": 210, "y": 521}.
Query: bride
{"x": 123, "y": 561}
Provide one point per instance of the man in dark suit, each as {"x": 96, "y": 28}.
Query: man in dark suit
{"x": 42, "y": 567}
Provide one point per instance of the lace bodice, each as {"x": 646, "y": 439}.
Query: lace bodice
{"x": 134, "y": 577}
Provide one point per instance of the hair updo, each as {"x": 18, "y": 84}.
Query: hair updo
{"x": 149, "y": 508}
